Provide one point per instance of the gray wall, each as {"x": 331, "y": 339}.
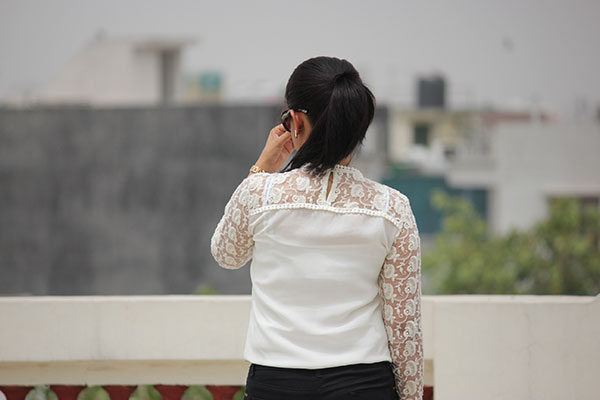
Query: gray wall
{"x": 121, "y": 201}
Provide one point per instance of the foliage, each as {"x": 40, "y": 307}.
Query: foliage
{"x": 205, "y": 289}
{"x": 41, "y": 392}
{"x": 93, "y": 393}
{"x": 145, "y": 392}
{"x": 239, "y": 395}
{"x": 197, "y": 392}
{"x": 559, "y": 255}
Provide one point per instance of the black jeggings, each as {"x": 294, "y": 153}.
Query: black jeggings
{"x": 358, "y": 381}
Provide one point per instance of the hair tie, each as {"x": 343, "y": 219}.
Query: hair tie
{"x": 338, "y": 77}
{"x": 343, "y": 75}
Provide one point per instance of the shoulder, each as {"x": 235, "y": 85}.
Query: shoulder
{"x": 401, "y": 210}
{"x": 254, "y": 182}
{"x": 399, "y": 202}
{"x": 398, "y": 205}
{"x": 257, "y": 189}
{"x": 260, "y": 181}
{"x": 396, "y": 197}
{"x": 295, "y": 180}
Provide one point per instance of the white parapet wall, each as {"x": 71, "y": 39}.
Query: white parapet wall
{"x": 516, "y": 347}
{"x": 476, "y": 347}
{"x": 123, "y": 339}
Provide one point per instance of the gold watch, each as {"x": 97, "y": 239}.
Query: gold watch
{"x": 255, "y": 168}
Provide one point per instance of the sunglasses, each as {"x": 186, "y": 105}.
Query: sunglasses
{"x": 286, "y": 117}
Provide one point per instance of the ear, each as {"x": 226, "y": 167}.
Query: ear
{"x": 298, "y": 120}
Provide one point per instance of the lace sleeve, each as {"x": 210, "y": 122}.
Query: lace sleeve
{"x": 400, "y": 289}
{"x": 232, "y": 244}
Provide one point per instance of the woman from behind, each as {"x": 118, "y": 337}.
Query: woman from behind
{"x": 336, "y": 293}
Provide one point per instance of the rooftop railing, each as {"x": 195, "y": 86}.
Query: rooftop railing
{"x": 476, "y": 347}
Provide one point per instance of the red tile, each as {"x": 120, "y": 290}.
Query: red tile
{"x": 171, "y": 392}
{"x": 222, "y": 392}
{"x": 15, "y": 392}
{"x": 119, "y": 392}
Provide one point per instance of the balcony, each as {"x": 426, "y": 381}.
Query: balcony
{"x": 476, "y": 347}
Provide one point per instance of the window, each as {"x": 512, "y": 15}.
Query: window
{"x": 421, "y": 132}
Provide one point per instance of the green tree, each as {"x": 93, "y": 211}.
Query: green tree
{"x": 204, "y": 289}
{"x": 568, "y": 250}
{"x": 559, "y": 255}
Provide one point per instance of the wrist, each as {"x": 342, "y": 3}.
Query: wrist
{"x": 255, "y": 169}
{"x": 265, "y": 166}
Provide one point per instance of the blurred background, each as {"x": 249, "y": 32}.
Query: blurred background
{"x": 126, "y": 125}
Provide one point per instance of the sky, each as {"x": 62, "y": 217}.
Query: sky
{"x": 501, "y": 53}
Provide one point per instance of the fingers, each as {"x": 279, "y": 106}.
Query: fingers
{"x": 284, "y": 137}
{"x": 289, "y": 147}
{"x": 278, "y": 130}
{"x": 277, "y": 138}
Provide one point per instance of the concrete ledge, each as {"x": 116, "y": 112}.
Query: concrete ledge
{"x": 151, "y": 372}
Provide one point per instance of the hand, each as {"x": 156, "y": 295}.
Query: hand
{"x": 278, "y": 148}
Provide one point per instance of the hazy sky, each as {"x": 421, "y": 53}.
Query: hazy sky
{"x": 503, "y": 52}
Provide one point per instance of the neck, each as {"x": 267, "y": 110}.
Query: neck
{"x": 345, "y": 161}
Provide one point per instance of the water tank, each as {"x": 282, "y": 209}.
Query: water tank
{"x": 431, "y": 92}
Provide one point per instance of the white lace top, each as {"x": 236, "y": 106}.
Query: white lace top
{"x": 335, "y": 276}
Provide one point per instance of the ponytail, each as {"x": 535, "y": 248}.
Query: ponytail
{"x": 340, "y": 109}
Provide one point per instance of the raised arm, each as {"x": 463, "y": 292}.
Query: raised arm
{"x": 232, "y": 244}
{"x": 400, "y": 288}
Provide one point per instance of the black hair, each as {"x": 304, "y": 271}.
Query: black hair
{"x": 340, "y": 109}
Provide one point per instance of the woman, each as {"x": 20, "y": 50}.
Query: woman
{"x": 335, "y": 256}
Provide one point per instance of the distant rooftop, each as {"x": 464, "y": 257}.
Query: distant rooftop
{"x": 121, "y": 71}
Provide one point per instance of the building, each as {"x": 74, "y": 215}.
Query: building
{"x": 121, "y": 71}
{"x": 531, "y": 163}
{"x": 509, "y": 164}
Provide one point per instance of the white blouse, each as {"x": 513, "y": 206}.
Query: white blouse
{"x": 335, "y": 277}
